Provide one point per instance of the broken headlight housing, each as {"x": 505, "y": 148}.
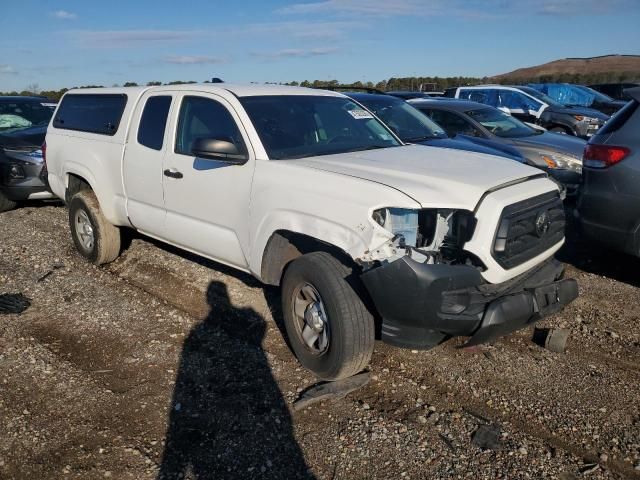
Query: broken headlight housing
{"x": 428, "y": 235}
{"x": 401, "y": 222}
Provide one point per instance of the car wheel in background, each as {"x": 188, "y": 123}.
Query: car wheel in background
{"x": 330, "y": 329}
{"x": 94, "y": 237}
{"x": 561, "y": 130}
{"x": 6, "y": 204}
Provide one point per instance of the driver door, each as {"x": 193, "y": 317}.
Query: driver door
{"x": 207, "y": 201}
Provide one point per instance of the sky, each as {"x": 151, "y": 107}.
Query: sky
{"x": 59, "y": 43}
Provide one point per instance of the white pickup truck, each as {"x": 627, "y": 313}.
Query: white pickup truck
{"x": 306, "y": 189}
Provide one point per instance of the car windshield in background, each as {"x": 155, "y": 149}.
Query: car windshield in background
{"x": 543, "y": 97}
{"x": 501, "y": 124}
{"x": 601, "y": 97}
{"x": 298, "y": 126}
{"x": 405, "y": 121}
{"x": 16, "y": 115}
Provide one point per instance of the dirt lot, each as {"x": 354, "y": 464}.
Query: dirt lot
{"x": 165, "y": 365}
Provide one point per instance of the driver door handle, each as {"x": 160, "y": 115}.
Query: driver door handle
{"x": 172, "y": 173}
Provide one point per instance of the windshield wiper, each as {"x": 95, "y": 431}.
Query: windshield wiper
{"x": 369, "y": 147}
{"x": 422, "y": 139}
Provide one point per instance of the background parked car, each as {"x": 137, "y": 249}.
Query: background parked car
{"x": 412, "y": 126}
{"x": 609, "y": 202}
{"x": 23, "y": 124}
{"x": 579, "y": 96}
{"x": 407, "y": 95}
{"x": 615, "y": 90}
{"x": 559, "y": 155}
{"x": 530, "y": 105}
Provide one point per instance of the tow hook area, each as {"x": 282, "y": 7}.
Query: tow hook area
{"x": 513, "y": 312}
{"x": 422, "y": 305}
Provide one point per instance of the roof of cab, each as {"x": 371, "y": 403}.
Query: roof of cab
{"x": 238, "y": 90}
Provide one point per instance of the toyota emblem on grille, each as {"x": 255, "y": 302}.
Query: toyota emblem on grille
{"x": 543, "y": 222}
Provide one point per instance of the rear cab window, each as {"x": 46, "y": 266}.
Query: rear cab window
{"x": 153, "y": 121}
{"x": 93, "y": 113}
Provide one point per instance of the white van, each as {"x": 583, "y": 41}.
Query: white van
{"x": 307, "y": 190}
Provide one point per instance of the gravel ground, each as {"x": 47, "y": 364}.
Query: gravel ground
{"x": 165, "y": 365}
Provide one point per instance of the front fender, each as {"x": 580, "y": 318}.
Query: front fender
{"x": 350, "y": 241}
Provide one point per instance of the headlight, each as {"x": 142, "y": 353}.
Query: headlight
{"x": 399, "y": 221}
{"x": 563, "y": 162}
{"x": 582, "y": 118}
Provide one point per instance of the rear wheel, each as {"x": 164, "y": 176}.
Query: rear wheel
{"x": 330, "y": 329}
{"x": 95, "y": 238}
{"x": 6, "y": 204}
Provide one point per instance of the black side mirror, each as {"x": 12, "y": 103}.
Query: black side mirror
{"x": 222, "y": 150}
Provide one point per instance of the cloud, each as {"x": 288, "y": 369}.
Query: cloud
{"x": 109, "y": 38}
{"x": 292, "y": 30}
{"x": 316, "y": 30}
{"x": 462, "y": 8}
{"x": 295, "y": 53}
{"x": 7, "y": 70}
{"x": 580, "y": 7}
{"x": 192, "y": 60}
{"x": 361, "y": 7}
{"x": 64, "y": 15}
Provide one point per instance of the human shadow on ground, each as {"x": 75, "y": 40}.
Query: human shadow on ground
{"x": 228, "y": 418}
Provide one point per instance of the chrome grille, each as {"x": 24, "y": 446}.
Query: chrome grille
{"x": 528, "y": 228}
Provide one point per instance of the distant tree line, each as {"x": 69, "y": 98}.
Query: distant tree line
{"x": 393, "y": 83}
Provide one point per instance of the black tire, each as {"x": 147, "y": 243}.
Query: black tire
{"x": 6, "y": 204}
{"x": 105, "y": 247}
{"x": 352, "y": 327}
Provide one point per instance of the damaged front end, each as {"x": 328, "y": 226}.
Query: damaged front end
{"x": 426, "y": 287}
{"x": 431, "y": 236}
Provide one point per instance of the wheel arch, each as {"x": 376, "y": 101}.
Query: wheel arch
{"x": 284, "y": 246}
{"x": 78, "y": 178}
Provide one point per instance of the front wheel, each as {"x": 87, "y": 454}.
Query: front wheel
{"x": 330, "y": 329}
{"x": 95, "y": 238}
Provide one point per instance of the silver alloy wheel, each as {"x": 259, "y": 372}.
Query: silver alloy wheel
{"x": 312, "y": 322}
{"x": 84, "y": 230}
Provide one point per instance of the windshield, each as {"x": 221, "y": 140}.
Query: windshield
{"x": 601, "y": 97}
{"x": 23, "y": 114}
{"x": 542, "y": 96}
{"x": 298, "y": 126}
{"x": 501, "y": 124}
{"x": 406, "y": 122}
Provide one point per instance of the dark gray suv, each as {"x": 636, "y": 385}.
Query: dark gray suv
{"x": 23, "y": 125}
{"x": 609, "y": 203}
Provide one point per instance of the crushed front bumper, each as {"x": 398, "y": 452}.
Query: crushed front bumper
{"x": 421, "y": 305}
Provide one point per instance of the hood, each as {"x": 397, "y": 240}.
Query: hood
{"x": 434, "y": 177}
{"x": 568, "y": 144}
{"x": 462, "y": 143}
{"x": 587, "y": 112}
{"x": 23, "y": 137}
